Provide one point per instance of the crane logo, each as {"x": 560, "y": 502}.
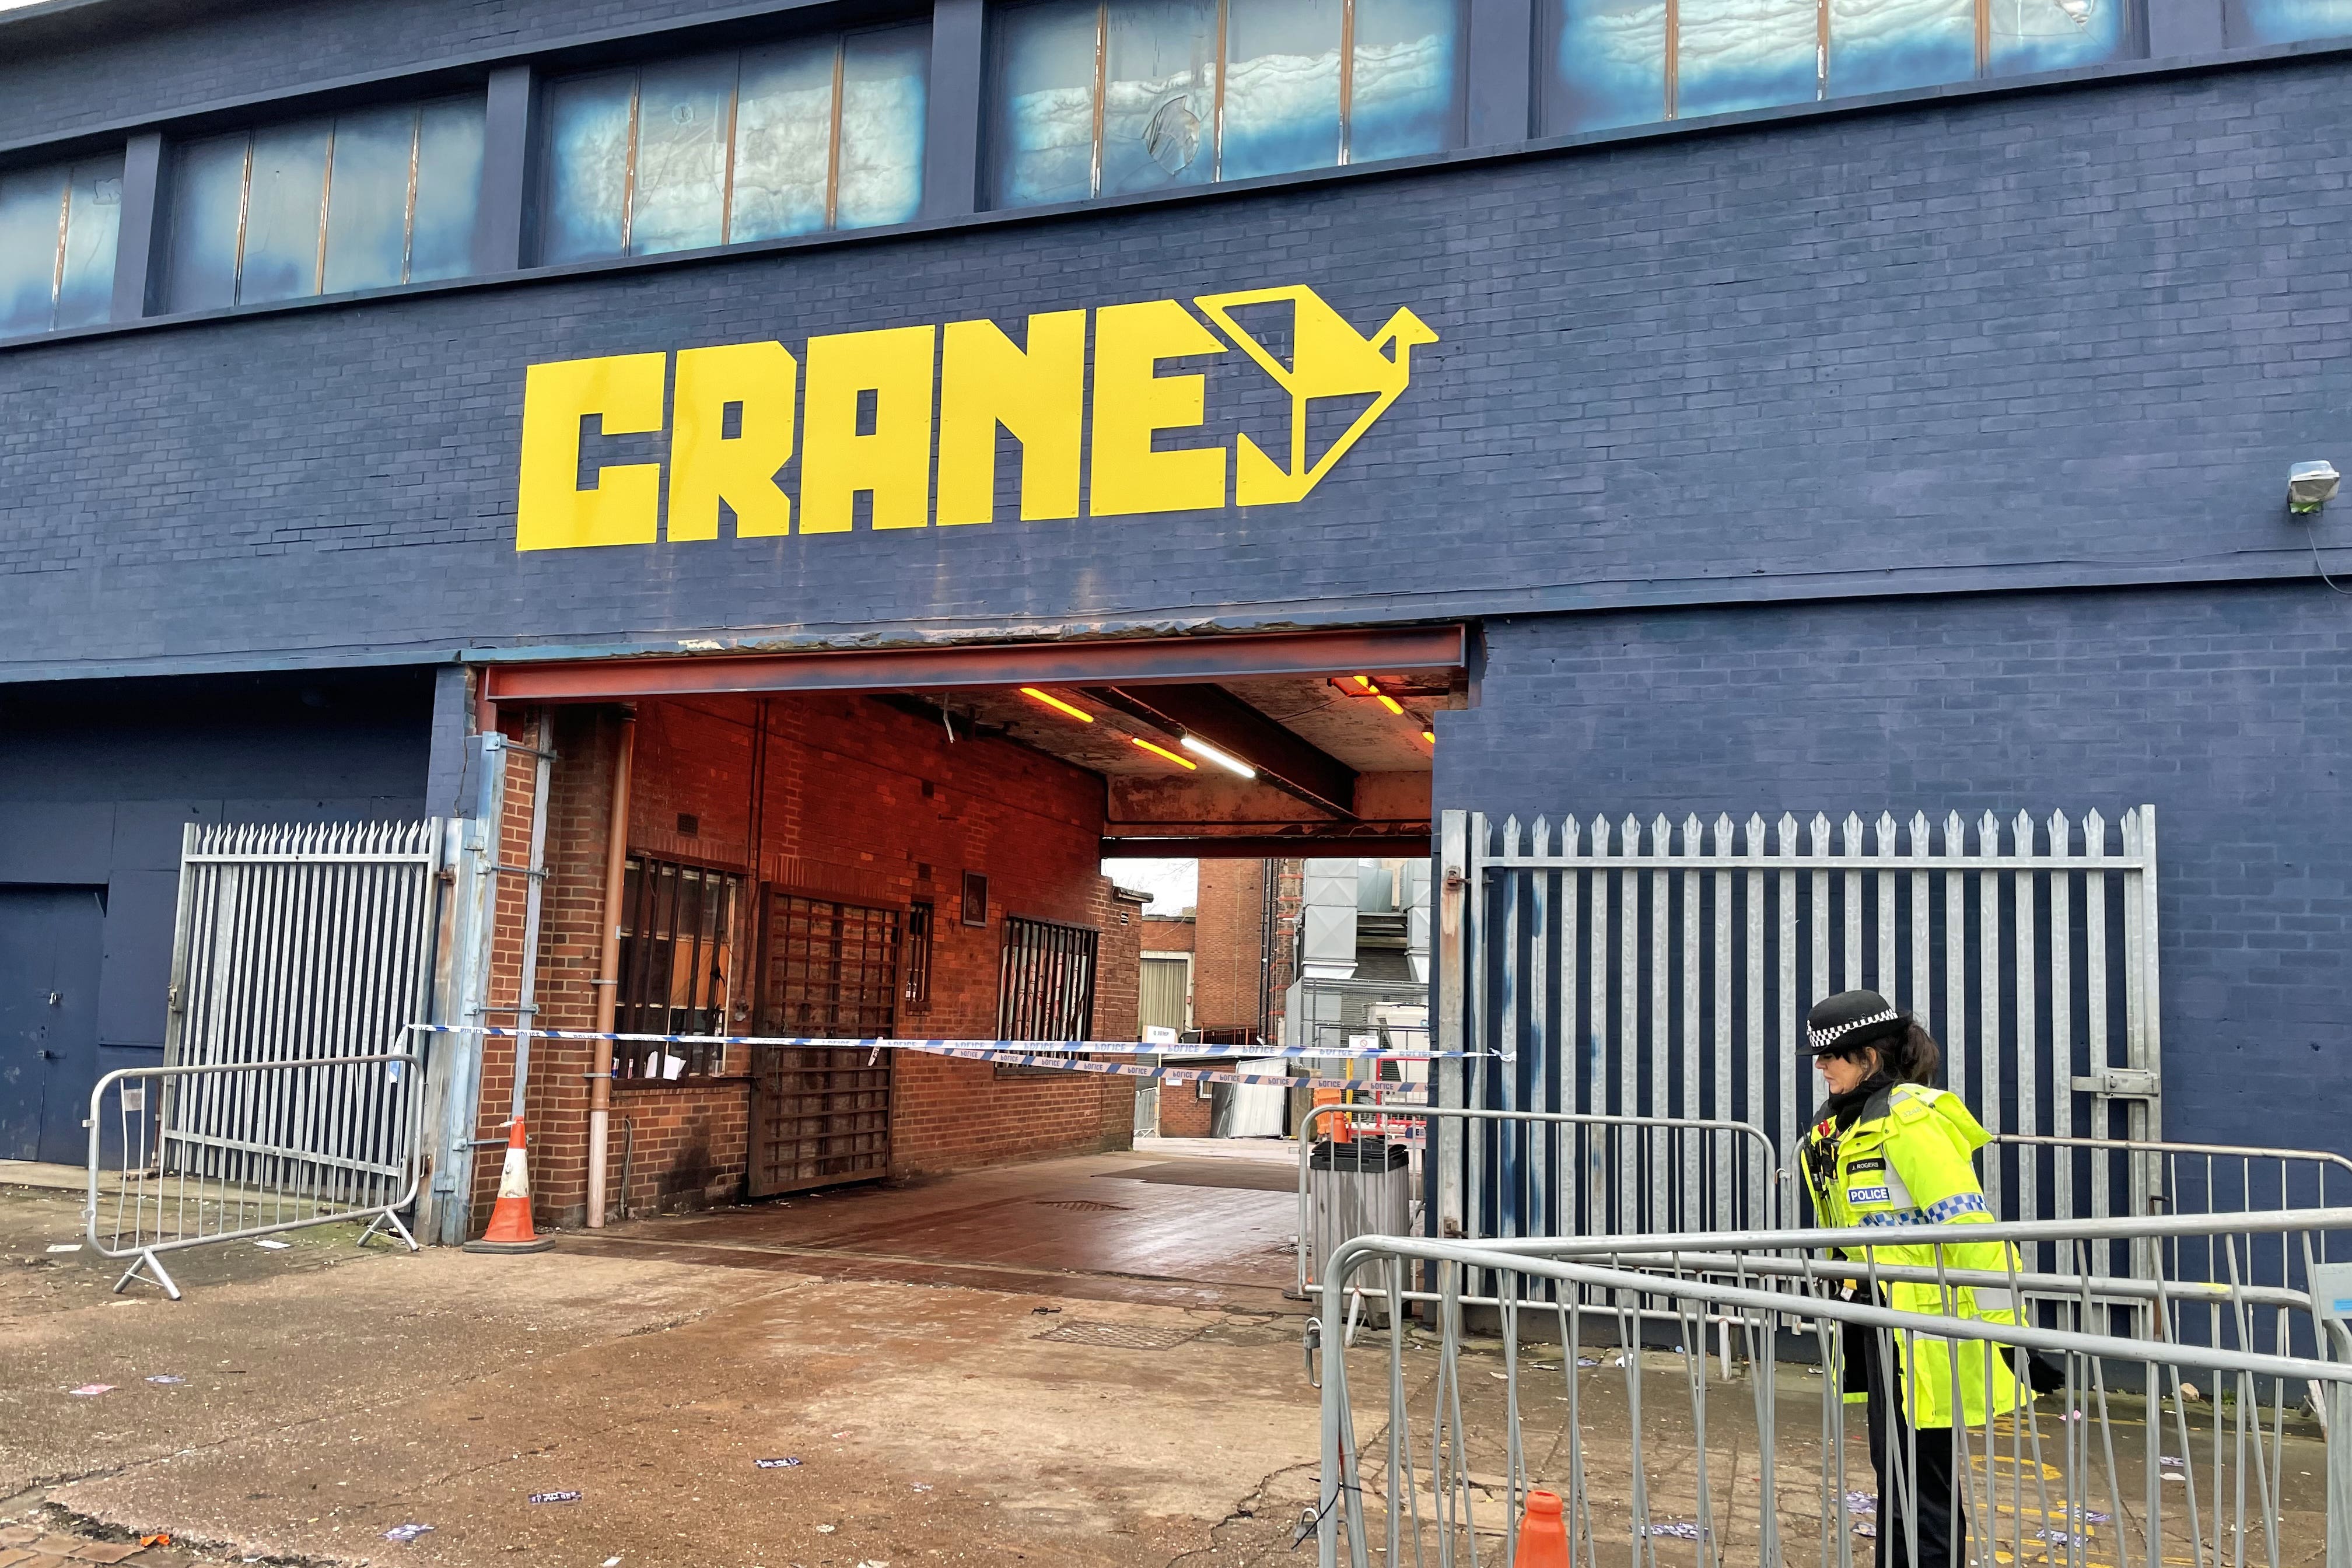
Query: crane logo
{"x": 1330, "y": 359}
{"x": 900, "y": 427}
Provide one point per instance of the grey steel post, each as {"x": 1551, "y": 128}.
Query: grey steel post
{"x": 476, "y": 920}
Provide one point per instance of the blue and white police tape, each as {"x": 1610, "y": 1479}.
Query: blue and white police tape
{"x": 1173, "y": 1074}
{"x": 1089, "y": 1048}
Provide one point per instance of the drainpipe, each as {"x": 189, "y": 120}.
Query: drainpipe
{"x": 608, "y": 974}
{"x": 535, "y": 875}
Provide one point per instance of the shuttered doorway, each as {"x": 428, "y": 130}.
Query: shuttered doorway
{"x": 820, "y": 1116}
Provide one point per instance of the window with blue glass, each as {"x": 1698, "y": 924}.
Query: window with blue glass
{"x": 2252, "y": 22}
{"x": 1104, "y": 97}
{"x": 1632, "y": 62}
{"x": 371, "y": 199}
{"x": 58, "y": 230}
{"x": 821, "y": 133}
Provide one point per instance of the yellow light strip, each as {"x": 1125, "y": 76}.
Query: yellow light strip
{"x": 1391, "y": 704}
{"x": 1187, "y": 763}
{"x": 1055, "y": 703}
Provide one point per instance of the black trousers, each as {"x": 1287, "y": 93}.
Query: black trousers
{"x": 1924, "y": 1459}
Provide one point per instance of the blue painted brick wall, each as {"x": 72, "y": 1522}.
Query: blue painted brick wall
{"x": 2075, "y": 335}
{"x": 2230, "y": 709}
{"x": 97, "y": 779}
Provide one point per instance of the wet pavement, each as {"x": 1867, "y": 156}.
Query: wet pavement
{"x": 1061, "y": 1363}
{"x": 1191, "y": 1231}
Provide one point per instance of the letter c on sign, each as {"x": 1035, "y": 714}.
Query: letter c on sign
{"x": 551, "y": 512}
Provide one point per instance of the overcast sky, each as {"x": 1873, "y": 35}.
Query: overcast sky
{"x": 1174, "y": 885}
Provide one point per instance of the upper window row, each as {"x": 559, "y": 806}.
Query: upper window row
{"x": 1084, "y": 99}
{"x": 818, "y": 133}
{"x": 1101, "y": 98}
{"x": 367, "y": 200}
{"x": 1629, "y": 62}
{"x": 57, "y": 245}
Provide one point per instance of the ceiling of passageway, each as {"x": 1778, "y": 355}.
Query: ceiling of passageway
{"x": 1332, "y": 714}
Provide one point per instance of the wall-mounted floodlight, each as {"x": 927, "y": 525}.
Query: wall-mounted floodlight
{"x": 2309, "y": 486}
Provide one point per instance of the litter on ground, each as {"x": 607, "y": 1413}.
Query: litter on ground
{"x": 1680, "y": 1529}
{"x": 406, "y": 1532}
{"x": 93, "y": 1390}
{"x": 64, "y": 1246}
{"x": 166, "y": 1377}
{"x": 273, "y": 1244}
{"x": 785, "y": 1464}
{"x": 555, "y": 1497}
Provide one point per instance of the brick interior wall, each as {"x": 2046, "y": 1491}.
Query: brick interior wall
{"x": 839, "y": 797}
{"x": 1229, "y": 951}
{"x": 1167, "y": 934}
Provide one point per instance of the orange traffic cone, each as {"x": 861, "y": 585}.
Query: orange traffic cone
{"x": 1543, "y": 1534}
{"x": 511, "y": 1220}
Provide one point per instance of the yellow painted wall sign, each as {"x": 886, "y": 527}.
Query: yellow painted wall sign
{"x": 874, "y": 402}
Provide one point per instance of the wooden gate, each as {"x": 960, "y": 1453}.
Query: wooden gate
{"x": 820, "y": 1116}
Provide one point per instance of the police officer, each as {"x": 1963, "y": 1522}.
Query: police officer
{"x": 1892, "y": 1150}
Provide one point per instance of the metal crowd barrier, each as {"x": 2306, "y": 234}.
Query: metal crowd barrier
{"x": 188, "y": 1156}
{"x": 2121, "y": 1462}
{"x": 1649, "y": 1174}
{"x": 2184, "y": 1179}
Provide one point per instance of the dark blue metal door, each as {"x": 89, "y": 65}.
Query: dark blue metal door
{"x": 49, "y": 945}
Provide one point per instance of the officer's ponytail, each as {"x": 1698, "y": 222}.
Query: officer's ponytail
{"x": 1914, "y": 1057}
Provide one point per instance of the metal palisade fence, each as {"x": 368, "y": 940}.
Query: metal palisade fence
{"x": 1665, "y": 969}
{"x": 287, "y": 1097}
{"x": 301, "y": 940}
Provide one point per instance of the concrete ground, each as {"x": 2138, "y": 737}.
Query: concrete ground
{"x": 1079, "y": 1361}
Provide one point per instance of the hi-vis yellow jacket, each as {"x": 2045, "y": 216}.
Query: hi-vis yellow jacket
{"x": 1906, "y": 1163}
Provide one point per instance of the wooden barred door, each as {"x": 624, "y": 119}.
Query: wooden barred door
{"x": 821, "y": 1115}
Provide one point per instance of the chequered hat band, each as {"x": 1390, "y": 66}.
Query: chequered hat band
{"x": 1823, "y": 1039}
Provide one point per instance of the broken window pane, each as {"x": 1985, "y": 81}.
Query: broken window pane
{"x": 1043, "y": 94}
{"x": 1745, "y": 54}
{"x": 284, "y": 210}
{"x": 1886, "y": 45}
{"x": 1160, "y": 103}
{"x": 448, "y": 189}
{"x": 32, "y": 210}
{"x": 1281, "y": 88}
{"x": 1612, "y": 62}
{"x": 367, "y": 199}
{"x": 587, "y": 166}
{"x": 2054, "y": 35}
{"x": 1407, "y": 93}
{"x": 784, "y": 141}
{"x": 207, "y": 192}
{"x": 93, "y": 224}
{"x": 680, "y": 201}
{"x": 884, "y": 83}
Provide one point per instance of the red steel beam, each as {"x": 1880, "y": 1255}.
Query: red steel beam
{"x": 1264, "y": 846}
{"x": 1137, "y": 661}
